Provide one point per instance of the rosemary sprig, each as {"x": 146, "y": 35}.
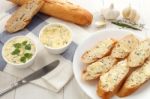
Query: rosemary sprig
{"x": 127, "y": 24}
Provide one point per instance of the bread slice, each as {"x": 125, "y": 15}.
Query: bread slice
{"x": 111, "y": 81}
{"x": 125, "y": 46}
{"x": 23, "y": 15}
{"x": 96, "y": 69}
{"x": 99, "y": 51}
{"x": 136, "y": 80}
{"x": 139, "y": 54}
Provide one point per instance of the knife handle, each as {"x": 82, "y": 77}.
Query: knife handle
{"x": 13, "y": 86}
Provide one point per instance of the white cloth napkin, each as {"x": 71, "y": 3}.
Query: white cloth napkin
{"x": 56, "y": 79}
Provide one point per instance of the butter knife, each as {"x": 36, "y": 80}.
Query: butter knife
{"x": 37, "y": 74}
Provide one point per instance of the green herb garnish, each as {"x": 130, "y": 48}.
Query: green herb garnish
{"x": 23, "y": 46}
{"x": 28, "y": 47}
{"x": 28, "y": 55}
{"x": 17, "y": 45}
{"x": 15, "y": 52}
{"x": 23, "y": 59}
{"x": 24, "y": 42}
{"x": 128, "y": 24}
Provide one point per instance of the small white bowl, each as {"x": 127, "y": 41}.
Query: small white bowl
{"x": 56, "y": 50}
{"x": 21, "y": 65}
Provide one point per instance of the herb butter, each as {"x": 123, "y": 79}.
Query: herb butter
{"x": 55, "y": 36}
{"x": 19, "y": 50}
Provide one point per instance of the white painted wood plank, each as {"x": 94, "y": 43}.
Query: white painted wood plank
{"x": 30, "y": 91}
{"x": 10, "y": 95}
{"x": 91, "y": 5}
{"x": 73, "y": 91}
{"x": 145, "y": 14}
{"x": 118, "y": 4}
{"x": 5, "y": 81}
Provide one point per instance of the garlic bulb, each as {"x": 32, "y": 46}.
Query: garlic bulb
{"x": 110, "y": 13}
{"x": 130, "y": 14}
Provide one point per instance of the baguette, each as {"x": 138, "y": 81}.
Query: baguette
{"x": 139, "y": 54}
{"x": 64, "y": 10}
{"x": 23, "y": 15}
{"x": 111, "y": 81}
{"x": 136, "y": 80}
{"x": 125, "y": 46}
{"x": 96, "y": 69}
{"x": 99, "y": 51}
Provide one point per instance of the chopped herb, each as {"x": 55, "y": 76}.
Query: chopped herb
{"x": 15, "y": 52}
{"x": 28, "y": 47}
{"x": 17, "y": 45}
{"x": 128, "y": 24}
{"x": 23, "y": 59}
{"x": 24, "y": 42}
{"x": 28, "y": 55}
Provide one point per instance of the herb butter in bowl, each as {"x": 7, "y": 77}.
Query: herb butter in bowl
{"x": 19, "y": 51}
{"x": 56, "y": 37}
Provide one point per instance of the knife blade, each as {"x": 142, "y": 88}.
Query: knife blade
{"x": 37, "y": 74}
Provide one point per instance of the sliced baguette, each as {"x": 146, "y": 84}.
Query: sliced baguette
{"x": 99, "y": 51}
{"x": 125, "y": 46}
{"x": 96, "y": 69}
{"x": 111, "y": 81}
{"x": 65, "y": 10}
{"x": 23, "y": 15}
{"x": 139, "y": 54}
{"x": 136, "y": 80}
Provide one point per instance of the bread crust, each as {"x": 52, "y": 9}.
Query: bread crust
{"x": 102, "y": 93}
{"x": 64, "y": 10}
{"x": 138, "y": 56}
{"x": 96, "y": 69}
{"x": 96, "y": 52}
{"x": 23, "y": 15}
{"x": 107, "y": 94}
{"x": 128, "y": 90}
{"x": 124, "y": 46}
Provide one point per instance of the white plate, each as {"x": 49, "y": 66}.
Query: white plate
{"x": 90, "y": 87}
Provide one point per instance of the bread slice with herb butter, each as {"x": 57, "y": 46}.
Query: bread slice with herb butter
{"x": 23, "y": 15}
{"x": 111, "y": 81}
{"x": 139, "y": 54}
{"x": 96, "y": 69}
{"x": 125, "y": 46}
{"x": 136, "y": 80}
{"x": 99, "y": 51}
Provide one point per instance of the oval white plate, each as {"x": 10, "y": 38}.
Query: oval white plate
{"x": 90, "y": 87}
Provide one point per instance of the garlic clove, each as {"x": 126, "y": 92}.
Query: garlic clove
{"x": 136, "y": 18}
{"x": 126, "y": 12}
{"x": 132, "y": 15}
{"x": 101, "y": 23}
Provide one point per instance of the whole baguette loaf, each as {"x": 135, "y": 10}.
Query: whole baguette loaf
{"x": 96, "y": 69}
{"x": 23, "y": 15}
{"x": 110, "y": 82}
{"x": 64, "y": 10}
{"x": 136, "y": 80}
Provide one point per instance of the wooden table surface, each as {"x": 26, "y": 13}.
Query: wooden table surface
{"x": 72, "y": 90}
